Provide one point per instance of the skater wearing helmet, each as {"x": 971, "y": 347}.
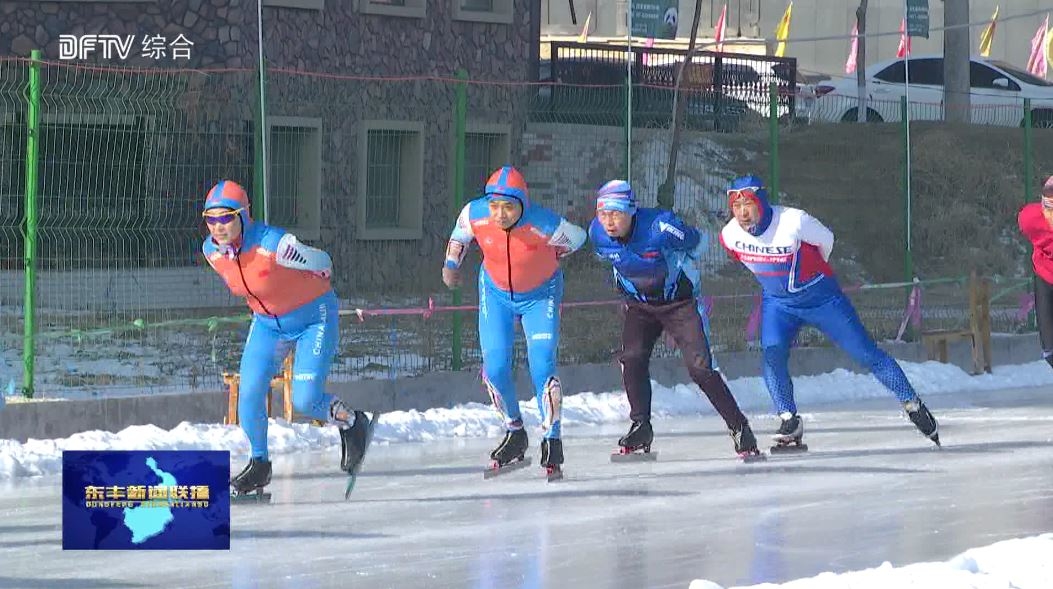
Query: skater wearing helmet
{"x": 788, "y": 250}
{"x": 286, "y": 284}
{"x": 654, "y": 255}
{"x": 520, "y": 277}
{"x": 1036, "y": 223}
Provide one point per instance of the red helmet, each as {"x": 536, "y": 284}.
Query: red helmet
{"x": 227, "y": 194}
{"x": 507, "y": 182}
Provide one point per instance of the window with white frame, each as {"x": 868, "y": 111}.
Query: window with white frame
{"x": 495, "y": 11}
{"x": 294, "y": 200}
{"x": 405, "y": 8}
{"x": 390, "y": 180}
{"x": 486, "y": 148}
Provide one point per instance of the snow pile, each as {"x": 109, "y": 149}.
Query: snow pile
{"x": 42, "y": 457}
{"x": 1025, "y": 563}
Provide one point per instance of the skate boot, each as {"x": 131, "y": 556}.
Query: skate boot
{"x": 510, "y": 454}
{"x": 354, "y": 434}
{"x": 249, "y": 483}
{"x": 636, "y": 444}
{"x": 639, "y": 437}
{"x": 746, "y": 444}
{"x": 552, "y": 458}
{"x": 922, "y": 419}
{"x": 789, "y": 435}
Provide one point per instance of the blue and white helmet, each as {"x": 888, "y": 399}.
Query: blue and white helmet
{"x": 616, "y": 195}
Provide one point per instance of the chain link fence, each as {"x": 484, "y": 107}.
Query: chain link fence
{"x": 369, "y": 169}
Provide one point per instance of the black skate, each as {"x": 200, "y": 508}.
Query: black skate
{"x": 788, "y": 437}
{"x": 509, "y": 455}
{"x": 635, "y": 446}
{"x": 552, "y": 458}
{"x": 746, "y": 445}
{"x": 247, "y": 486}
{"x": 922, "y": 419}
{"x": 354, "y": 441}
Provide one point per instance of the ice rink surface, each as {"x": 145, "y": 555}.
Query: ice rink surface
{"x": 870, "y": 490}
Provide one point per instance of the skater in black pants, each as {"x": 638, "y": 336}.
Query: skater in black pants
{"x": 1036, "y": 223}
{"x": 653, "y": 254}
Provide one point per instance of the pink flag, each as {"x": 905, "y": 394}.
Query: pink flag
{"x": 1036, "y": 62}
{"x": 647, "y": 54}
{"x": 718, "y": 36}
{"x": 853, "y": 53}
{"x": 904, "y": 40}
{"x": 912, "y": 315}
{"x": 753, "y": 323}
{"x": 1027, "y": 304}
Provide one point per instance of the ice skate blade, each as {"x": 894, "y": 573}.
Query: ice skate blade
{"x": 352, "y": 476}
{"x": 490, "y": 472}
{"x": 751, "y": 458}
{"x": 634, "y": 457}
{"x": 249, "y": 498}
{"x": 789, "y": 449}
{"x": 554, "y": 475}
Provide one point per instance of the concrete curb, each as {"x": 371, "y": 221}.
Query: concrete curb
{"x": 59, "y": 419}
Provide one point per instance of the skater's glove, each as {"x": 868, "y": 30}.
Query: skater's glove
{"x": 451, "y": 277}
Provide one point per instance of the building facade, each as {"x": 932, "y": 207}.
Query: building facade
{"x": 360, "y": 125}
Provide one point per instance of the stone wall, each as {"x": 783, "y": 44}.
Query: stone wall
{"x": 341, "y": 43}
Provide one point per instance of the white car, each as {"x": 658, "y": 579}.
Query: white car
{"x": 997, "y": 93}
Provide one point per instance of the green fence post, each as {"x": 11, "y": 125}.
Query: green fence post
{"x": 1029, "y": 174}
{"x": 260, "y": 172}
{"x": 459, "y": 117}
{"x": 30, "y": 236}
{"x": 908, "y": 256}
{"x": 773, "y": 140}
{"x": 1029, "y": 162}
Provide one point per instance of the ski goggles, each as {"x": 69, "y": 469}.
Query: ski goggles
{"x": 748, "y": 191}
{"x": 221, "y": 218}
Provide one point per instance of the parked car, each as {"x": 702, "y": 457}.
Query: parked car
{"x": 591, "y": 91}
{"x": 997, "y": 93}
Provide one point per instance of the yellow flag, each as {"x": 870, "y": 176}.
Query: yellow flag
{"x": 584, "y": 36}
{"x": 1049, "y": 47}
{"x": 782, "y": 32}
{"x": 987, "y": 36}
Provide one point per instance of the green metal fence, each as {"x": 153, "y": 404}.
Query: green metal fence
{"x": 104, "y": 289}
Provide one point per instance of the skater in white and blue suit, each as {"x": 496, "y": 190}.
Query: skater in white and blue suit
{"x": 788, "y": 251}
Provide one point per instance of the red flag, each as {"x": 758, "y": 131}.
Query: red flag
{"x": 853, "y": 53}
{"x": 718, "y": 36}
{"x": 904, "y": 40}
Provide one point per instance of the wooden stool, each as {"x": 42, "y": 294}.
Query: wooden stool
{"x": 978, "y": 333}
{"x": 282, "y": 382}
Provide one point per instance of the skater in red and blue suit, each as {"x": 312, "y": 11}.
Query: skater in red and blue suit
{"x": 521, "y": 243}
{"x": 654, "y": 255}
{"x": 286, "y": 284}
{"x": 788, "y": 251}
{"x": 1036, "y": 223}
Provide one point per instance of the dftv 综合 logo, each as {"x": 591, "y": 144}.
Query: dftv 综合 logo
{"x": 80, "y": 47}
